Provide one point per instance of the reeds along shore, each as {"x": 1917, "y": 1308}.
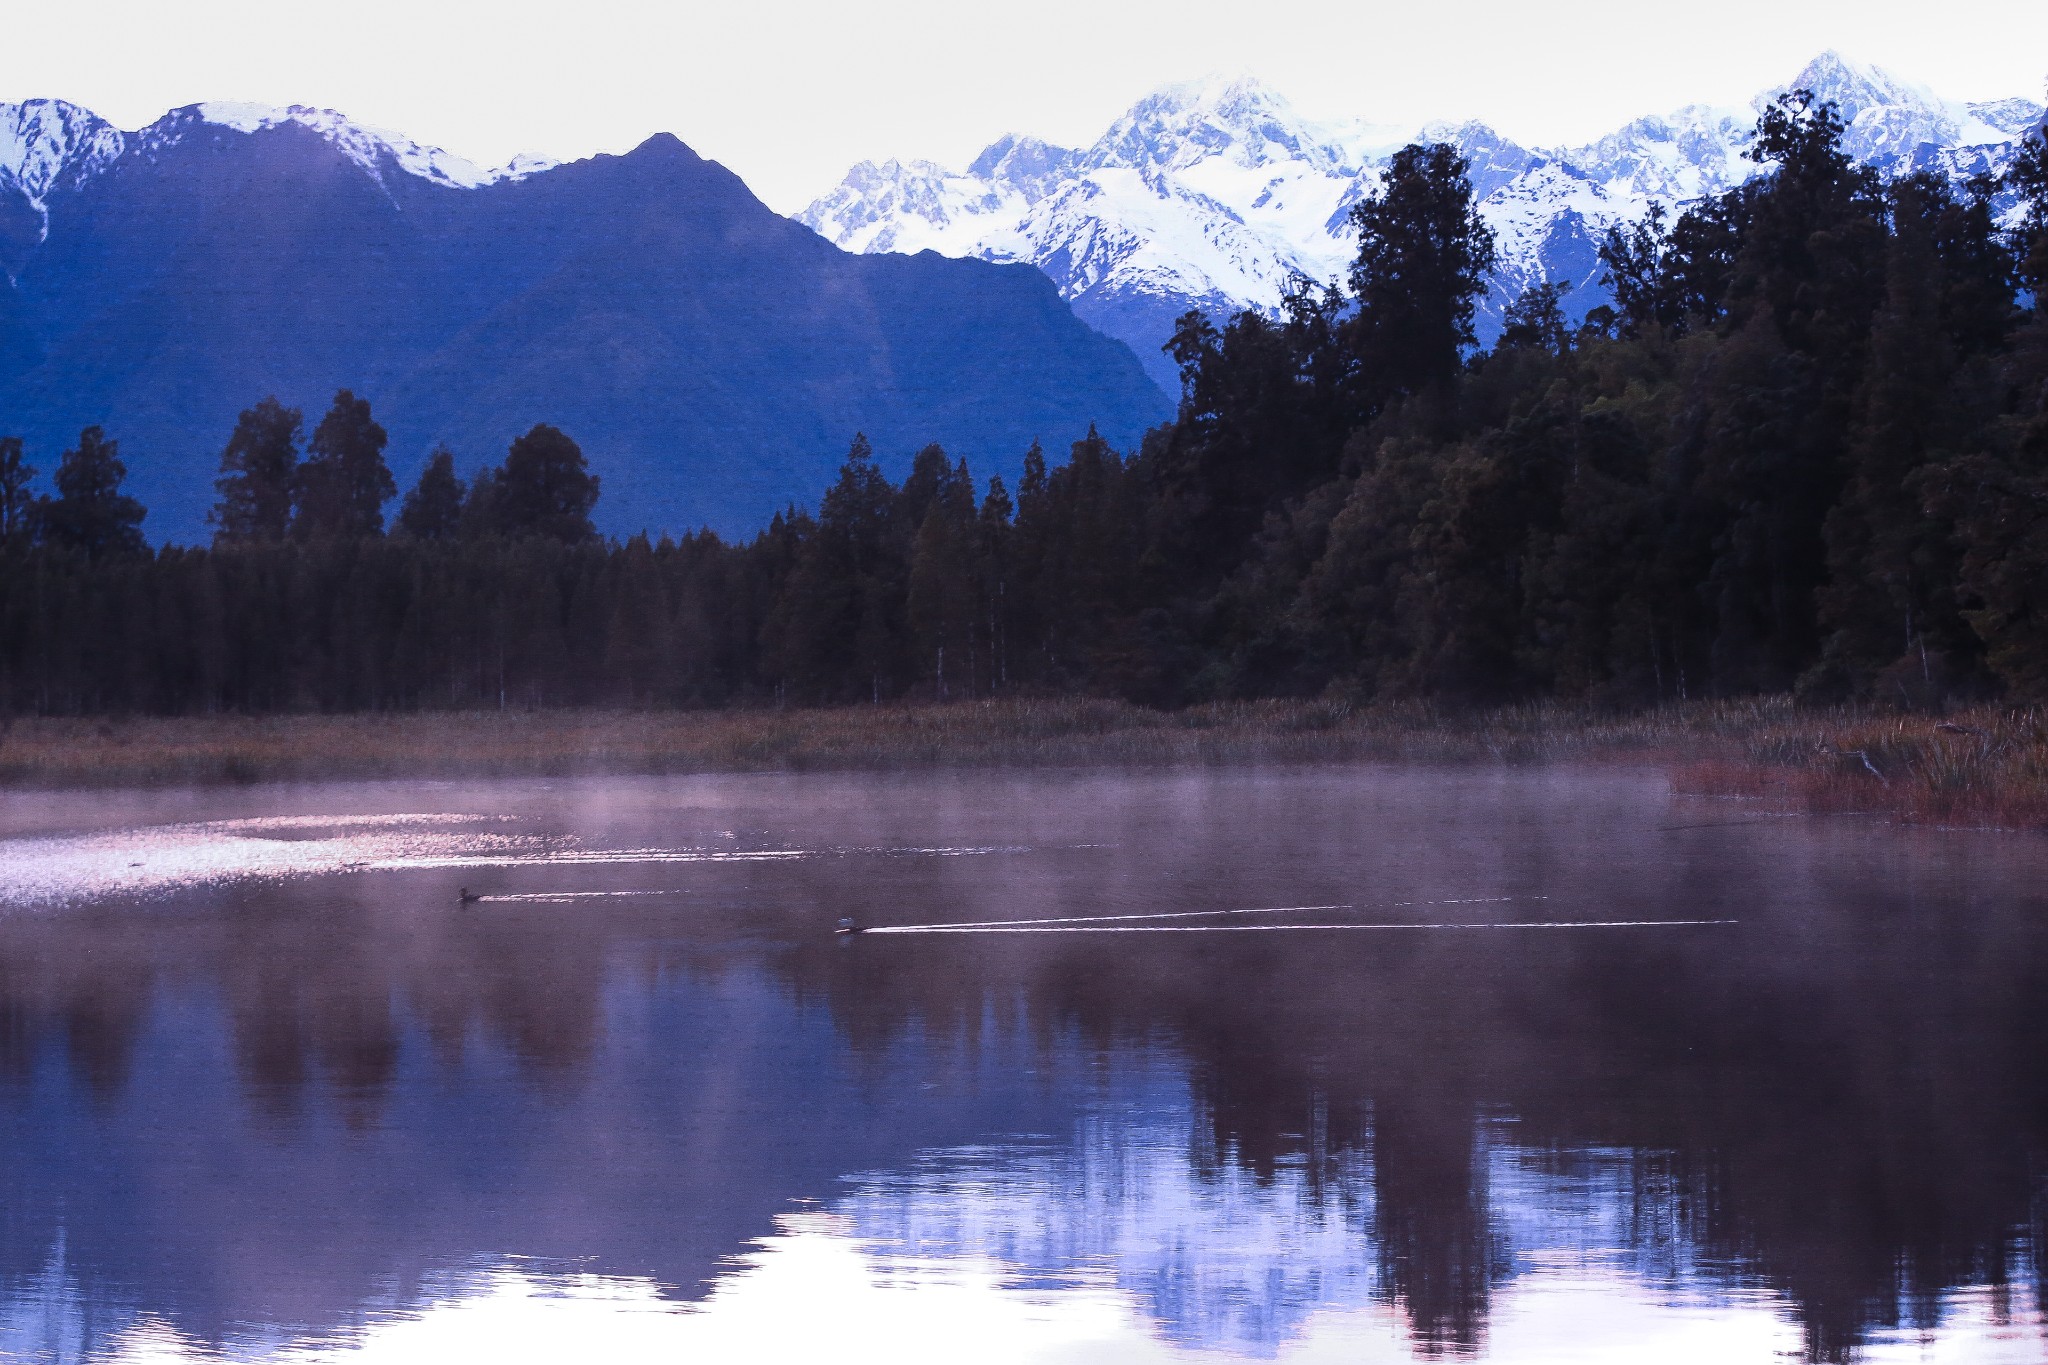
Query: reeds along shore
{"x": 1985, "y": 766}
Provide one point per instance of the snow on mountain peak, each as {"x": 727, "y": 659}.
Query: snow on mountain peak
{"x": 2014, "y": 117}
{"x": 907, "y": 206}
{"x": 1217, "y": 193}
{"x": 1029, "y": 164}
{"x": 1238, "y": 117}
{"x": 1886, "y": 116}
{"x": 45, "y": 144}
{"x": 374, "y": 149}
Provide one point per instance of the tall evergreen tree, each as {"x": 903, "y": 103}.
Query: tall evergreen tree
{"x": 344, "y": 482}
{"x": 995, "y": 569}
{"x": 940, "y": 587}
{"x": 1812, "y": 234}
{"x": 90, "y": 512}
{"x": 1535, "y": 320}
{"x": 17, "y": 505}
{"x": 835, "y": 627}
{"x": 2028, "y": 178}
{"x": 544, "y": 488}
{"x": 1263, "y": 417}
{"x": 1637, "y": 273}
{"x": 1774, "y": 403}
{"x": 258, "y": 475}
{"x": 433, "y": 509}
{"x": 1424, "y": 255}
{"x": 1891, "y": 568}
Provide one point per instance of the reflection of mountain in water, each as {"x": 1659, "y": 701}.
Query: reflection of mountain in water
{"x": 310, "y": 1143}
{"x": 1224, "y": 1259}
{"x": 1220, "y": 1258}
{"x": 248, "y": 1114}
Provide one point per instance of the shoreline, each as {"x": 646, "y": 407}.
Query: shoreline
{"x": 1983, "y": 766}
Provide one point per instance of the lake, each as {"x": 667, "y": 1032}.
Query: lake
{"x": 1373, "y": 1063}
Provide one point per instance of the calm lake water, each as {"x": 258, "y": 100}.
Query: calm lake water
{"x": 1567, "y": 1069}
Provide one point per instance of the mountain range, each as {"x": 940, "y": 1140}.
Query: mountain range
{"x": 1217, "y": 194}
{"x": 713, "y": 357}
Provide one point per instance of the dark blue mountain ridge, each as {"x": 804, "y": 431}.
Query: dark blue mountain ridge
{"x": 713, "y": 358}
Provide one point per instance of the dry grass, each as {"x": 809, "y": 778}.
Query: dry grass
{"x": 1982, "y": 767}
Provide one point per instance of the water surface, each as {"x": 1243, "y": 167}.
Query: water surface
{"x": 1562, "y": 1068}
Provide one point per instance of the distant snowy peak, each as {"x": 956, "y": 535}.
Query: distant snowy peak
{"x": 1675, "y": 158}
{"x": 1242, "y": 122}
{"x": 909, "y": 207}
{"x": 46, "y": 145}
{"x": 1031, "y": 167}
{"x": 1218, "y": 194}
{"x": 374, "y": 149}
{"x": 1886, "y": 117}
{"x": 2015, "y": 117}
{"x": 1182, "y": 125}
{"x": 1495, "y": 161}
{"x": 50, "y": 145}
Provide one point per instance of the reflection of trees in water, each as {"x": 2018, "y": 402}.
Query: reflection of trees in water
{"x": 18, "y": 1036}
{"x": 315, "y": 992}
{"x": 1438, "y": 1254}
{"x": 1846, "y": 1105}
{"x": 92, "y": 1005}
{"x": 1850, "y": 1108}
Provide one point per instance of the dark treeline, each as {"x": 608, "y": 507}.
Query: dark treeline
{"x": 1805, "y": 449}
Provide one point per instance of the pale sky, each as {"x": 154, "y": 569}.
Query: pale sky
{"x": 789, "y": 93}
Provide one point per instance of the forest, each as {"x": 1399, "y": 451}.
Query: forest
{"x": 1805, "y": 451}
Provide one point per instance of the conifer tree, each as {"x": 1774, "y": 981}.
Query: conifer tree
{"x": 1031, "y": 634}
{"x": 544, "y": 488}
{"x": 432, "y": 510}
{"x": 994, "y": 570}
{"x": 1535, "y": 320}
{"x": 17, "y": 506}
{"x": 1890, "y": 592}
{"x": 835, "y": 628}
{"x": 90, "y": 513}
{"x": 1423, "y": 258}
{"x": 258, "y": 475}
{"x": 940, "y": 603}
{"x": 344, "y": 482}
{"x": 1637, "y": 274}
{"x": 1812, "y": 234}
{"x": 2028, "y": 178}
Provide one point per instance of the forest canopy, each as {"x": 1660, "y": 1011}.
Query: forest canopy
{"x": 1804, "y": 449}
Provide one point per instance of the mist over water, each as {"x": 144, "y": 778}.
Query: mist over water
{"x": 1522, "y": 1065}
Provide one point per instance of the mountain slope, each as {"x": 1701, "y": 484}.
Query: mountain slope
{"x": 713, "y": 357}
{"x": 1215, "y": 195}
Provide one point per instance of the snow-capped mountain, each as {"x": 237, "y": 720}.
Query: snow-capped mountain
{"x": 376, "y": 150}
{"x": 49, "y": 144}
{"x": 714, "y": 356}
{"x": 1218, "y": 195}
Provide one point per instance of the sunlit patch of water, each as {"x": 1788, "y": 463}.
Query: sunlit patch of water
{"x": 159, "y": 858}
{"x": 154, "y": 859}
